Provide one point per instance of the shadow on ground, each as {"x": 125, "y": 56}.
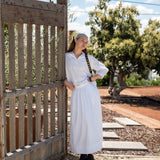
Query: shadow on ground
{"x": 133, "y": 101}
{"x": 72, "y": 157}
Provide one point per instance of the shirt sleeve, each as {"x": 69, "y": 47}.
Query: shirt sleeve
{"x": 99, "y": 67}
{"x": 67, "y": 68}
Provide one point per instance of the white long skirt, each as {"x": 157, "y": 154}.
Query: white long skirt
{"x": 86, "y": 120}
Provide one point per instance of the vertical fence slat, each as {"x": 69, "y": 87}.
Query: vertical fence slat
{"x": 65, "y": 119}
{"x": 52, "y": 78}
{"x": 2, "y": 104}
{"x": 45, "y": 81}
{"x": 3, "y": 83}
{"x": 21, "y": 84}
{"x": 60, "y": 76}
{"x": 29, "y": 83}
{"x": 38, "y": 81}
{"x": 12, "y": 123}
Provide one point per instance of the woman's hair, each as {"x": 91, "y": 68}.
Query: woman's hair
{"x": 72, "y": 45}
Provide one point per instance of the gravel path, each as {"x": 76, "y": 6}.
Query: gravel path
{"x": 149, "y": 137}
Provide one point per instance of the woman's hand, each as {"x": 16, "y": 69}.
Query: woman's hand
{"x": 94, "y": 78}
{"x": 69, "y": 85}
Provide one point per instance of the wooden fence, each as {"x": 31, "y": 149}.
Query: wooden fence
{"x": 32, "y": 92}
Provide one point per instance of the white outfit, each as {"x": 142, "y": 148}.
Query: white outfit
{"x": 86, "y": 116}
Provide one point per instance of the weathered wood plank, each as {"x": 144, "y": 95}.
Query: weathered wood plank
{"x": 45, "y": 38}
{"x": 64, "y": 97}
{"x": 21, "y": 84}
{"x": 32, "y": 16}
{"x": 57, "y": 156}
{"x": 27, "y": 90}
{"x": 34, "y": 146}
{"x": 65, "y": 117}
{"x": 38, "y": 55}
{"x": 12, "y": 135}
{"x": 2, "y": 120}
{"x": 3, "y": 83}
{"x": 27, "y": 156}
{"x": 60, "y": 33}
{"x": 38, "y": 81}
{"x": 35, "y": 4}
{"x": 3, "y": 56}
{"x": 29, "y": 83}
{"x": 60, "y": 110}
{"x": 29, "y": 55}
{"x": 52, "y": 78}
{"x": 62, "y": 2}
{"x": 65, "y": 122}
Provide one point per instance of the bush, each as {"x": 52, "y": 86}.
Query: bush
{"x": 135, "y": 80}
{"x": 104, "y": 81}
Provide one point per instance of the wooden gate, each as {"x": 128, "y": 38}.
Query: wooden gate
{"x": 32, "y": 92}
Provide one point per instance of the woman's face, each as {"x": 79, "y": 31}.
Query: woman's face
{"x": 81, "y": 43}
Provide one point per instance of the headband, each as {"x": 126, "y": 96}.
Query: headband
{"x": 80, "y": 35}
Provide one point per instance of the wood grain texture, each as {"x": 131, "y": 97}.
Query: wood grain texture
{"x": 12, "y": 124}
{"x": 21, "y": 84}
{"x": 2, "y": 102}
{"x": 38, "y": 81}
{"x": 45, "y": 40}
{"x": 29, "y": 83}
{"x": 16, "y": 14}
{"x": 52, "y": 78}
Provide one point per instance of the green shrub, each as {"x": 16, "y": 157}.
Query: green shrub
{"x": 135, "y": 80}
{"x": 104, "y": 81}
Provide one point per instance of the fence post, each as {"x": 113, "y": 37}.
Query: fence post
{"x": 64, "y": 91}
{"x": 2, "y": 137}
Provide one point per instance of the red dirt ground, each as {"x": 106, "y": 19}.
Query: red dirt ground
{"x": 150, "y": 110}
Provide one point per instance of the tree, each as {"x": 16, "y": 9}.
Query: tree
{"x": 151, "y": 46}
{"x": 116, "y": 41}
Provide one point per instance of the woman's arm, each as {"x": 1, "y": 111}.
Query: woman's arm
{"x": 69, "y": 85}
{"x": 99, "y": 67}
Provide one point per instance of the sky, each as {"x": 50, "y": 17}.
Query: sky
{"x": 149, "y": 9}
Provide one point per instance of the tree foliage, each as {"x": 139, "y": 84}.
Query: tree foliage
{"x": 116, "y": 41}
{"x": 151, "y": 46}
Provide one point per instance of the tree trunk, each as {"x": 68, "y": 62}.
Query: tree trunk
{"x": 111, "y": 84}
{"x": 122, "y": 85}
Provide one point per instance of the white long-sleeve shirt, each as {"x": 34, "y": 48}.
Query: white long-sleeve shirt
{"x": 77, "y": 70}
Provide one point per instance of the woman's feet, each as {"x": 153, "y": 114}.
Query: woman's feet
{"x": 90, "y": 157}
{"x": 83, "y": 157}
{"x": 86, "y": 157}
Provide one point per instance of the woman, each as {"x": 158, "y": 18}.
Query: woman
{"x": 86, "y": 116}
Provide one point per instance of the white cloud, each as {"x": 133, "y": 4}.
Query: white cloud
{"x": 77, "y": 11}
{"x": 153, "y": 1}
{"x": 91, "y": 8}
{"x": 94, "y": 1}
{"x": 125, "y": 4}
{"x": 143, "y": 9}
{"x": 140, "y": 8}
{"x": 156, "y": 18}
{"x": 144, "y": 23}
{"x": 82, "y": 28}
